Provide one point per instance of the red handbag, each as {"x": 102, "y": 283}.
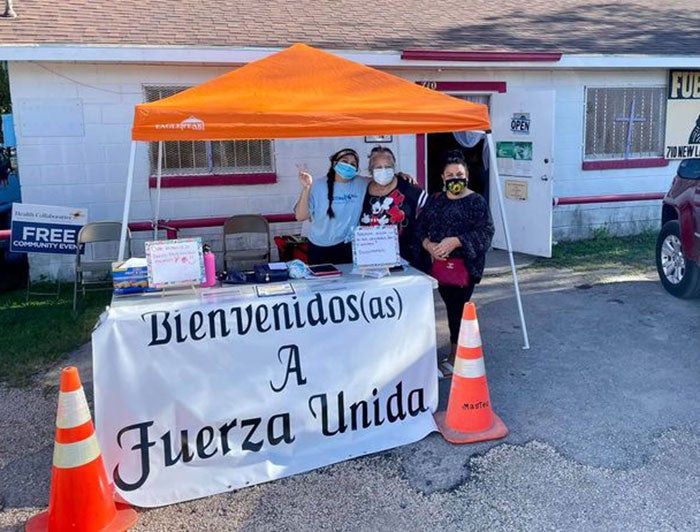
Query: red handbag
{"x": 451, "y": 272}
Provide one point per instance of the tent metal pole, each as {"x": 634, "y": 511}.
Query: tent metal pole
{"x": 494, "y": 165}
{"x": 127, "y": 201}
{"x": 158, "y": 179}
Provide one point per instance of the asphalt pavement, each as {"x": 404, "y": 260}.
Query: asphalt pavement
{"x": 602, "y": 411}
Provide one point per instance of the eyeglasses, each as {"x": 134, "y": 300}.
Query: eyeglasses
{"x": 458, "y": 175}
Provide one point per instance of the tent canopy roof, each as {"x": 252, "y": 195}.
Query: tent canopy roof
{"x": 303, "y": 92}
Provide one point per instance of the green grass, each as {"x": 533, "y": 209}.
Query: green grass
{"x": 44, "y": 329}
{"x": 604, "y": 251}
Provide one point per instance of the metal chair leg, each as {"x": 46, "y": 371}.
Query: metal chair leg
{"x": 75, "y": 292}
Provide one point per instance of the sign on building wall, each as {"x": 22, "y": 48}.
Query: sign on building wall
{"x": 514, "y": 158}
{"x": 520, "y": 124}
{"x": 45, "y": 228}
{"x": 683, "y": 115}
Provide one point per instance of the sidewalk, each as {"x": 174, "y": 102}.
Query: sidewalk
{"x": 498, "y": 262}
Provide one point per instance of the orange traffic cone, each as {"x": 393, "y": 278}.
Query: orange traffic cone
{"x": 469, "y": 417}
{"x": 81, "y": 497}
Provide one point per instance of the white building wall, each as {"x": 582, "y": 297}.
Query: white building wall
{"x": 572, "y": 222}
{"x": 90, "y": 170}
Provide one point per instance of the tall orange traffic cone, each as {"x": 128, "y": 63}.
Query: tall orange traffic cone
{"x": 81, "y": 497}
{"x": 469, "y": 416}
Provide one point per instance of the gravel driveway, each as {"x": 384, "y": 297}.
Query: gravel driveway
{"x": 602, "y": 412}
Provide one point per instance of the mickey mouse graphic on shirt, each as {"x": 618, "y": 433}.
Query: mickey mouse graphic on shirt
{"x": 386, "y": 210}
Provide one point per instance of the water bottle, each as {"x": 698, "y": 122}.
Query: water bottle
{"x": 209, "y": 266}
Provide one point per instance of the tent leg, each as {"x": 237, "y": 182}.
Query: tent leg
{"x": 158, "y": 180}
{"x": 127, "y": 201}
{"x": 494, "y": 165}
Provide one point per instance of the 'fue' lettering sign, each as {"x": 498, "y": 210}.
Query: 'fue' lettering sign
{"x": 683, "y": 115}
{"x": 684, "y": 85}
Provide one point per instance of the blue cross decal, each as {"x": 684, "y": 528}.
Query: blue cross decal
{"x": 631, "y": 119}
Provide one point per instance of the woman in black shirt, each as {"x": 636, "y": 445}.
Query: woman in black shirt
{"x": 392, "y": 201}
{"x": 455, "y": 224}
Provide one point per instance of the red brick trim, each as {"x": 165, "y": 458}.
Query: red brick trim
{"x": 467, "y": 86}
{"x": 420, "y": 161}
{"x": 182, "y": 181}
{"x": 486, "y": 57}
{"x": 624, "y": 163}
{"x": 612, "y": 198}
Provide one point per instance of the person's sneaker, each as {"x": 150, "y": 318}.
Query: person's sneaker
{"x": 445, "y": 368}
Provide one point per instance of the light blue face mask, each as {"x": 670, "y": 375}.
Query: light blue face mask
{"x": 345, "y": 170}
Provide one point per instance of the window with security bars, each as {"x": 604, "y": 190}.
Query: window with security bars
{"x": 624, "y": 123}
{"x": 216, "y": 157}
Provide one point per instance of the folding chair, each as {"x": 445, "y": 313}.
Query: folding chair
{"x": 251, "y": 251}
{"x": 91, "y": 234}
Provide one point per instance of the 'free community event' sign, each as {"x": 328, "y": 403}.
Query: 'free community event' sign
{"x": 45, "y": 228}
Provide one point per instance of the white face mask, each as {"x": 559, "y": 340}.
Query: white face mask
{"x": 383, "y": 176}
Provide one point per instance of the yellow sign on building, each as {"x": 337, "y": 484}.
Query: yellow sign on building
{"x": 683, "y": 115}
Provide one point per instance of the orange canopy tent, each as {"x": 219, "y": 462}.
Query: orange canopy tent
{"x": 303, "y": 92}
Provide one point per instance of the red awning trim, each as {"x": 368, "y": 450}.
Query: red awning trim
{"x": 481, "y": 57}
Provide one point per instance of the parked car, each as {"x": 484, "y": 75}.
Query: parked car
{"x": 678, "y": 244}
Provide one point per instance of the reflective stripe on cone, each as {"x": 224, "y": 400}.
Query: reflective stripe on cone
{"x": 73, "y": 409}
{"x": 469, "y": 335}
{"x": 68, "y": 455}
{"x": 469, "y": 368}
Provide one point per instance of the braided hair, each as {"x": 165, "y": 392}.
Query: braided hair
{"x": 330, "y": 175}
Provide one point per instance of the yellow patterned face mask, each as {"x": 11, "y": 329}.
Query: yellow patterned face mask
{"x": 456, "y": 186}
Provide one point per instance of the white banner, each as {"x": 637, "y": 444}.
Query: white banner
{"x": 197, "y": 397}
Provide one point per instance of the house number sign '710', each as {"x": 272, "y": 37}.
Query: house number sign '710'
{"x": 428, "y": 84}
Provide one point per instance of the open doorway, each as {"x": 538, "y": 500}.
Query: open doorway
{"x": 438, "y": 143}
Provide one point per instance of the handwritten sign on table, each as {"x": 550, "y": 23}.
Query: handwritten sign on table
{"x": 175, "y": 262}
{"x": 376, "y": 246}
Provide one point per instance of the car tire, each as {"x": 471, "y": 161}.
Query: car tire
{"x": 679, "y": 276}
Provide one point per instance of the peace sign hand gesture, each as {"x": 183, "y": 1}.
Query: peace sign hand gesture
{"x": 305, "y": 177}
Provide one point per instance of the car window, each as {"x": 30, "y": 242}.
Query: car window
{"x": 689, "y": 169}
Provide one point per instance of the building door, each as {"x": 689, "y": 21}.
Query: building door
{"x": 523, "y": 128}
{"x": 437, "y": 144}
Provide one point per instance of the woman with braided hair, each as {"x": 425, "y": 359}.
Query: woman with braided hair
{"x": 333, "y": 205}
